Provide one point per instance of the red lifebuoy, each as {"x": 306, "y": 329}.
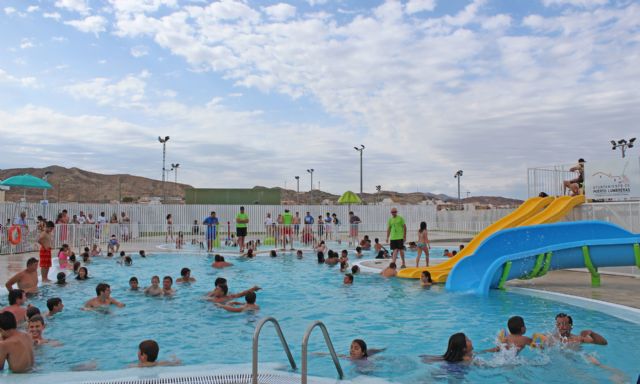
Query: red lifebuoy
{"x": 15, "y": 234}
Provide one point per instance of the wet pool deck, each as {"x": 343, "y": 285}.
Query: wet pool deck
{"x": 618, "y": 289}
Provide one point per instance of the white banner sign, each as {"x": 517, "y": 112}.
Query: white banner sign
{"x": 611, "y": 180}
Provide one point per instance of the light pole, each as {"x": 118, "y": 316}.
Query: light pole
{"x": 311, "y": 191}
{"x": 297, "y": 189}
{"x": 623, "y": 145}
{"x": 174, "y": 168}
{"x": 458, "y": 175}
{"x": 164, "y": 155}
{"x": 45, "y": 177}
{"x": 378, "y": 188}
{"x": 361, "y": 150}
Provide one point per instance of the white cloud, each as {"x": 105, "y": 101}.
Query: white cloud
{"x": 575, "y": 3}
{"x": 26, "y": 43}
{"x": 139, "y": 51}
{"x": 29, "y": 81}
{"x": 497, "y": 22}
{"x": 90, "y": 24}
{"x": 53, "y": 15}
{"x": 9, "y": 10}
{"x": 280, "y": 11}
{"x": 415, "y": 6}
{"x": 126, "y": 93}
{"x": 79, "y": 6}
{"x": 32, "y": 8}
{"x": 141, "y": 6}
{"x": 59, "y": 39}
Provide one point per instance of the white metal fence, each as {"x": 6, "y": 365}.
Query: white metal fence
{"x": 148, "y": 224}
{"x": 549, "y": 179}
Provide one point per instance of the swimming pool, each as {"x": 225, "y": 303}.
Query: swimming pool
{"x": 396, "y": 314}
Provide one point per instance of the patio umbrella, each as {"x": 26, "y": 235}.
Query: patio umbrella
{"x": 349, "y": 198}
{"x": 26, "y": 181}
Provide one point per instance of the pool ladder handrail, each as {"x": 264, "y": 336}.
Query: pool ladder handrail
{"x": 256, "y": 336}
{"x": 327, "y": 339}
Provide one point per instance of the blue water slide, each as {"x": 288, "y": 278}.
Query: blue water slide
{"x": 527, "y": 252}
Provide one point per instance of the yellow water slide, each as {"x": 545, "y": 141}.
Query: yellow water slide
{"x": 526, "y": 210}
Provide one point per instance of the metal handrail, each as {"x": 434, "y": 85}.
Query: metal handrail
{"x": 256, "y": 335}
{"x": 327, "y": 340}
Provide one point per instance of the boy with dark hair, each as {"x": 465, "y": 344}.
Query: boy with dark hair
{"x": 148, "y": 351}
{"x": 103, "y": 298}
{"x": 55, "y": 306}
{"x": 348, "y": 279}
{"x": 17, "y": 298}
{"x": 15, "y": 347}
{"x": 167, "y": 282}
{"x": 32, "y": 311}
{"x": 236, "y": 306}
{"x": 133, "y": 283}
{"x": 36, "y": 330}
{"x": 185, "y": 276}
{"x": 516, "y": 337}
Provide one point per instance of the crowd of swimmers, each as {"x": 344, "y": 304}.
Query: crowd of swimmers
{"x": 16, "y": 347}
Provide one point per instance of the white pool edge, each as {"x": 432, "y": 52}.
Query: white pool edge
{"x": 616, "y": 310}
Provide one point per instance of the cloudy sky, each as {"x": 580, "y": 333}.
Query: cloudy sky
{"x": 256, "y": 92}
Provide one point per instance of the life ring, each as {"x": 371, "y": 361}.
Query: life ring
{"x": 15, "y": 234}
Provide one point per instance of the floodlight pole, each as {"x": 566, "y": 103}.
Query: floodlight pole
{"x": 163, "y": 141}
{"x": 297, "y": 189}
{"x": 361, "y": 150}
{"x": 174, "y": 168}
{"x": 623, "y": 145}
{"x": 458, "y": 175}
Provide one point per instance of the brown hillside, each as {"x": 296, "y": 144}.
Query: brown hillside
{"x": 77, "y": 185}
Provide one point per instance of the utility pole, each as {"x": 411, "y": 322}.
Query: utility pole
{"x": 361, "y": 150}
{"x": 164, "y": 156}
{"x": 458, "y": 175}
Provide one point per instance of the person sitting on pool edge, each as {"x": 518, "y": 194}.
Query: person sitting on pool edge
{"x": 15, "y": 347}
{"x": 236, "y": 306}
{"x": 564, "y": 325}
{"x": 390, "y": 271}
{"x": 103, "y": 298}
{"x": 219, "y": 262}
{"x": 148, "y": 351}
{"x": 185, "y": 276}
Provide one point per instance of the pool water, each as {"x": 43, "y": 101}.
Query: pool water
{"x": 396, "y": 314}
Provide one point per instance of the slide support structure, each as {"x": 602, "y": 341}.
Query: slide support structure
{"x": 505, "y": 275}
{"x": 636, "y": 252}
{"x": 595, "y": 276}
{"x": 547, "y": 264}
{"x": 536, "y": 268}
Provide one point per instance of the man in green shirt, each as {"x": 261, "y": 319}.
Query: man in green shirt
{"x": 242, "y": 219}
{"x": 287, "y": 220}
{"x": 397, "y": 233}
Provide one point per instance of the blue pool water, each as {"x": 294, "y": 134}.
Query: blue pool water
{"x": 396, "y": 314}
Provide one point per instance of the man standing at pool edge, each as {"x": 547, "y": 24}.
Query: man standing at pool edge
{"x": 242, "y": 219}
{"x": 397, "y": 233}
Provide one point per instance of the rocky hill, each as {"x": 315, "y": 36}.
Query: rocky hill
{"x": 77, "y": 185}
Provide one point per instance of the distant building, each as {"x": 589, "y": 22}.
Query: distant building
{"x": 387, "y": 201}
{"x": 2, "y": 190}
{"x": 233, "y": 196}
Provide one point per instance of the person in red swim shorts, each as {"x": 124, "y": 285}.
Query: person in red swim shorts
{"x": 45, "y": 251}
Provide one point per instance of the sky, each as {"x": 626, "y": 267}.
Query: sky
{"x": 257, "y": 92}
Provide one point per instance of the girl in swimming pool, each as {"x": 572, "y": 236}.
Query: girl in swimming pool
{"x": 460, "y": 349}
{"x": 425, "y": 279}
{"x": 83, "y": 273}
